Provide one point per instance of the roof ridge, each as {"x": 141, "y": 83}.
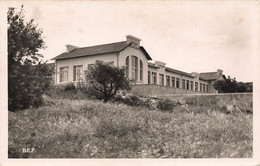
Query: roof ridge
{"x": 100, "y": 45}
{"x": 177, "y": 70}
{"x": 99, "y": 49}
{"x": 208, "y": 72}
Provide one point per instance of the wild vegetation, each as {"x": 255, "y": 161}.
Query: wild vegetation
{"x": 76, "y": 128}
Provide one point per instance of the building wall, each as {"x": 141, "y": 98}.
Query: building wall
{"x": 119, "y": 59}
{"x": 85, "y": 61}
{"x": 181, "y": 77}
{"x": 206, "y": 84}
{"x": 158, "y": 71}
{"x": 211, "y": 87}
{"x": 175, "y": 75}
{"x": 157, "y": 90}
{"x": 130, "y": 51}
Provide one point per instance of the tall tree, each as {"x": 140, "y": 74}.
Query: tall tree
{"x": 104, "y": 80}
{"x": 26, "y": 80}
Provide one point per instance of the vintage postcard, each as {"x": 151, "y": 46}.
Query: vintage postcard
{"x": 130, "y": 82}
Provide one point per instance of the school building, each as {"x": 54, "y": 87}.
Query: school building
{"x": 149, "y": 75}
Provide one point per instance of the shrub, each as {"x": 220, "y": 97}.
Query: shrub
{"x": 191, "y": 101}
{"x": 70, "y": 87}
{"x": 130, "y": 100}
{"x": 59, "y": 92}
{"x": 166, "y": 105}
{"x": 147, "y": 103}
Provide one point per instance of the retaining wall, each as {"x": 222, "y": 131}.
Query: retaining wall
{"x": 157, "y": 90}
{"x": 228, "y": 101}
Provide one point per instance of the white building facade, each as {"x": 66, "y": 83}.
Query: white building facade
{"x": 70, "y": 66}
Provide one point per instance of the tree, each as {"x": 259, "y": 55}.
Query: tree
{"x": 26, "y": 71}
{"x": 241, "y": 87}
{"x": 229, "y": 85}
{"x": 244, "y": 87}
{"x": 226, "y": 86}
{"x": 104, "y": 80}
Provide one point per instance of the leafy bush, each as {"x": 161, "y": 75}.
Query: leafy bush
{"x": 148, "y": 103}
{"x": 166, "y": 105}
{"x": 191, "y": 101}
{"x": 130, "y": 100}
{"x": 60, "y": 92}
{"x": 70, "y": 87}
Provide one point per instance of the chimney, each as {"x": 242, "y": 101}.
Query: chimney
{"x": 195, "y": 74}
{"x": 134, "y": 40}
{"x": 159, "y": 64}
{"x": 220, "y": 71}
{"x": 70, "y": 47}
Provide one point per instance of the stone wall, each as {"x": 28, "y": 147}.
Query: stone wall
{"x": 157, "y": 90}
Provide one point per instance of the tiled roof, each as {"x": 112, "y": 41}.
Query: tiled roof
{"x": 203, "y": 76}
{"x": 99, "y": 49}
{"x": 210, "y": 75}
{"x": 179, "y": 72}
{"x": 171, "y": 70}
{"x": 145, "y": 53}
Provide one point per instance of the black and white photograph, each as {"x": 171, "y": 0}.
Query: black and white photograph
{"x": 157, "y": 82}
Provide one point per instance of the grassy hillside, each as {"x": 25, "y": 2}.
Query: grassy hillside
{"x": 229, "y": 102}
{"x": 91, "y": 129}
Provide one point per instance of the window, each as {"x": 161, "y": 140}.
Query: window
{"x": 203, "y": 87}
{"x": 141, "y": 70}
{"x": 168, "y": 80}
{"x": 183, "y": 84}
{"x": 191, "y": 85}
{"x": 90, "y": 65}
{"x": 154, "y": 76}
{"x": 77, "y": 73}
{"x": 173, "y": 82}
{"x": 134, "y": 67}
{"x": 207, "y": 88}
{"x": 161, "y": 79}
{"x": 149, "y": 77}
{"x": 127, "y": 66}
{"x": 64, "y": 74}
{"x": 187, "y": 84}
{"x": 196, "y": 86}
{"x": 200, "y": 87}
{"x": 177, "y": 82}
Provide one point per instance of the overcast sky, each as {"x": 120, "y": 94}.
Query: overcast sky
{"x": 188, "y": 36}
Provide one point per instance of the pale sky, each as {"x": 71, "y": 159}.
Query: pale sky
{"x": 188, "y": 36}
